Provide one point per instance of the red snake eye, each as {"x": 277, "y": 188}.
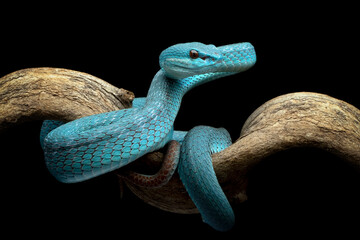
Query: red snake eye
{"x": 194, "y": 54}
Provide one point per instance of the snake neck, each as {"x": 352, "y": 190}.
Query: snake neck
{"x": 165, "y": 94}
{"x": 164, "y": 97}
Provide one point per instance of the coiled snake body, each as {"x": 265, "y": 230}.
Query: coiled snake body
{"x": 97, "y": 144}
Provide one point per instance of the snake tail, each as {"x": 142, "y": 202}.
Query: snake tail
{"x": 198, "y": 176}
{"x": 168, "y": 167}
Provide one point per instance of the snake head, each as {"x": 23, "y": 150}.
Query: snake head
{"x": 188, "y": 59}
{"x": 185, "y": 60}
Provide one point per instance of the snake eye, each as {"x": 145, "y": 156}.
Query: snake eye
{"x": 194, "y": 54}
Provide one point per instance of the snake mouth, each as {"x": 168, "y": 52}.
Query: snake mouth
{"x": 183, "y": 68}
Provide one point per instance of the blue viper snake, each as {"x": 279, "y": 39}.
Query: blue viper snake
{"x": 98, "y": 144}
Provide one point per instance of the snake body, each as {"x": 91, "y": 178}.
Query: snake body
{"x": 198, "y": 176}
{"x": 97, "y": 144}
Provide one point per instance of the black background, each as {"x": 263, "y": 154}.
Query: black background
{"x": 300, "y": 47}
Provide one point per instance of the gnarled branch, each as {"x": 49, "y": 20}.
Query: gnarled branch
{"x": 58, "y": 94}
{"x": 291, "y": 120}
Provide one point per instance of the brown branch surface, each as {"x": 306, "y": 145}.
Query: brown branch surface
{"x": 55, "y": 93}
{"x": 292, "y": 120}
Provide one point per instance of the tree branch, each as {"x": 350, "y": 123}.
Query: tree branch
{"x": 291, "y": 120}
{"x": 55, "y": 93}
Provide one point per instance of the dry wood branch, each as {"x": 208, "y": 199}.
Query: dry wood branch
{"x": 292, "y": 120}
{"x": 55, "y": 93}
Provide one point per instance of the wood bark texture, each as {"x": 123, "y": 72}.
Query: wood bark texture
{"x": 301, "y": 119}
{"x": 58, "y": 94}
{"x": 291, "y": 120}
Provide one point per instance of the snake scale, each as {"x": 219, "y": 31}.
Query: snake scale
{"x": 98, "y": 144}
